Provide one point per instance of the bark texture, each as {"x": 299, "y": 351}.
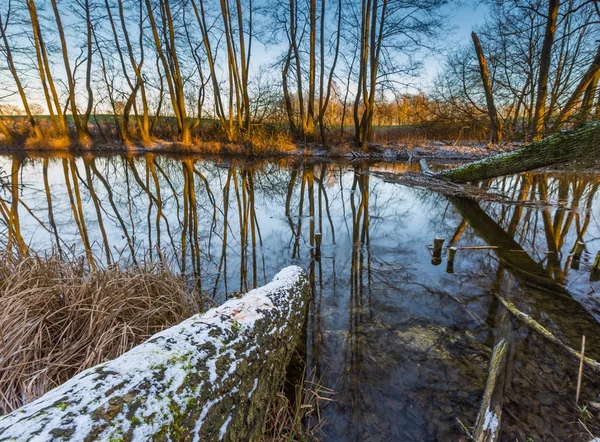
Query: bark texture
{"x": 544, "y": 71}
{"x": 581, "y": 144}
{"x": 495, "y": 127}
{"x": 212, "y": 377}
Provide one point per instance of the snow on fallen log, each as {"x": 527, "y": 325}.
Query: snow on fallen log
{"x": 212, "y": 377}
{"x": 578, "y": 145}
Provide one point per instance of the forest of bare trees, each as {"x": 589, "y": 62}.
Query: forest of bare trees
{"x": 81, "y": 71}
{"x": 536, "y": 72}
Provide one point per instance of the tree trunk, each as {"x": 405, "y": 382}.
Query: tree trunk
{"x": 212, "y": 377}
{"x": 495, "y": 128}
{"x": 545, "y": 61}
{"x": 171, "y": 67}
{"x": 82, "y": 132}
{"x": 585, "y": 81}
{"x": 45, "y": 73}
{"x": 5, "y": 131}
{"x": 85, "y": 118}
{"x": 588, "y": 100}
{"x": 581, "y": 144}
{"x": 310, "y": 111}
{"x": 226, "y": 124}
{"x": 13, "y": 70}
{"x": 286, "y": 94}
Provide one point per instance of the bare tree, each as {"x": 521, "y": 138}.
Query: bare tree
{"x": 495, "y": 127}
{"x": 7, "y": 52}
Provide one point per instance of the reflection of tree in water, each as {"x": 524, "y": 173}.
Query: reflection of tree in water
{"x": 405, "y": 345}
{"x": 541, "y": 293}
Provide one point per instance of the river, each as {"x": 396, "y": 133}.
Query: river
{"x": 404, "y": 344}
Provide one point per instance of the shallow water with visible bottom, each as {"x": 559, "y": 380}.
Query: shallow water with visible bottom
{"x": 403, "y": 343}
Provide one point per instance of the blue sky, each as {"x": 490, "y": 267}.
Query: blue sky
{"x": 463, "y": 19}
{"x": 464, "y": 16}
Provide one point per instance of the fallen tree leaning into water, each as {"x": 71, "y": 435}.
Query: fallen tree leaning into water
{"x": 546, "y": 297}
{"x": 579, "y": 145}
{"x": 211, "y": 377}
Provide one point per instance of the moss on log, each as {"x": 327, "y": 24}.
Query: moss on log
{"x": 212, "y": 377}
{"x": 582, "y": 144}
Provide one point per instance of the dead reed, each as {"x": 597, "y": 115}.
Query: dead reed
{"x": 298, "y": 419}
{"x": 57, "y": 319}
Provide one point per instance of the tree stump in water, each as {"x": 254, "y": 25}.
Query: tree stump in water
{"x": 212, "y": 377}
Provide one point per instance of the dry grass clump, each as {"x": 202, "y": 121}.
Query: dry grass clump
{"x": 298, "y": 419}
{"x": 269, "y": 142}
{"x": 57, "y": 319}
{"x": 62, "y": 143}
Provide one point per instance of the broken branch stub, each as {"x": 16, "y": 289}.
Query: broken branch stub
{"x": 212, "y": 377}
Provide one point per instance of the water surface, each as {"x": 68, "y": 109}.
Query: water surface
{"x": 404, "y": 344}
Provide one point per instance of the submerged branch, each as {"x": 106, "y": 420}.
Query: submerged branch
{"x": 541, "y": 330}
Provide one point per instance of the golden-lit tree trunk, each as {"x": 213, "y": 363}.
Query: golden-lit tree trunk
{"x": 144, "y": 121}
{"x": 124, "y": 121}
{"x": 171, "y": 68}
{"x": 495, "y": 127}
{"x": 373, "y": 21}
{"x": 588, "y": 100}
{"x": 58, "y": 119}
{"x": 324, "y": 97}
{"x": 310, "y": 105}
{"x": 298, "y": 63}
{"x": 88, "y": 70}
{"x": 586, "y": 80}
{"x": 226, "y": 122}
{"x": 537, "y": 124}
{"x": 238, "y": 68}
{"x": 82, "y": 131}
{"x": 286, "y": 93}
{"x": 245, "y": 53}
{"x": 13, "y": 70}
{"x": 5, "y": 130}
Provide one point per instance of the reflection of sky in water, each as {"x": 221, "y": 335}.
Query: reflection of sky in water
{"x": 404, "y": 344}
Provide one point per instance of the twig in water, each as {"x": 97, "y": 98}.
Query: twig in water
{"x": 580, "y": 369}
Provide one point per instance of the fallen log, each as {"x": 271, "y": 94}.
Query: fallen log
{"x": 579, "y": 145}
{"x": 212, "y": 377}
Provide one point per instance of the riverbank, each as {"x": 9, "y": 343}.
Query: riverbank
{"x": 78, "y": 317}
{"x": 431, "y": 150}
